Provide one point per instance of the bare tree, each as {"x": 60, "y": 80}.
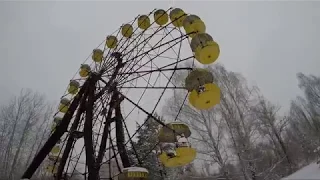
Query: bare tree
{"x": 230, "y": 120}
{"x": 245, "y": 125}
{"x": 304, "y": 125}
{"x": 237, "y": 99}
{"x": 273, "y": 126}
{"x": 21, "y": 120}
{"x": 42, "y": 132}
{"x": 13, "y": 112}
{"x": 234, "y": 132}
{"x": 310, "y": 85}
{"x": 307, "y": 108}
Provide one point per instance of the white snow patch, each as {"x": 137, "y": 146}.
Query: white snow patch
{"x": 312, "y": 171}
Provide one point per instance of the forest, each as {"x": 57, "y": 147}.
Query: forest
{"x": 245, "y": 137}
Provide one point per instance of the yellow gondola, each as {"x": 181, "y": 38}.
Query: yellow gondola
{"x": 161, "y": 17}
{"x": 73, "y": 87}
{"x": 184, "y": 156}
{"x": 167, "y": 135}
{"x": 193, "y": 25}
{"x": 144, "y": 22}
{"x": 206, "y": 50}
{"x": 198, "y": 77}
{"x": 205, "y": 98}
{"x": 55, "y": 150}
{"x": 57, "y": 119}
{"x": 84, "y": 70}
{"x": 52, "y": 169}
{"x": 134, "y": 173}
{"x": 97, "y": 55}
{"x": 64, "y": 105}
{"x": 177, "y": 17}
{"x": 111, "y": 42}
{"x": 53, "y": 127}
{"x": 127, "y": 30}
{"x": 54, "y": 158}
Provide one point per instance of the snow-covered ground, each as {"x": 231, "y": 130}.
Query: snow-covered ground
{"x": 312, "y": 171}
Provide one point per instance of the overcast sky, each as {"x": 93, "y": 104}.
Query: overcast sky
{"x": 42, "y": 44}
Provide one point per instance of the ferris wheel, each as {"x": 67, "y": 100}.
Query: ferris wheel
{"x": 126, "y": 80}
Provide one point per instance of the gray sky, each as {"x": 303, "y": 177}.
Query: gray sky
{"x": 43, "y": 43}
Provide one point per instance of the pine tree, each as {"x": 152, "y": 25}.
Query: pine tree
{"x": 147, "y": 140}
{"x": 146, "y": 146}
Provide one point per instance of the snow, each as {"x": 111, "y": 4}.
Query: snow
{"x": 312, "y": 171}
{"x": 135, "y": 169}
